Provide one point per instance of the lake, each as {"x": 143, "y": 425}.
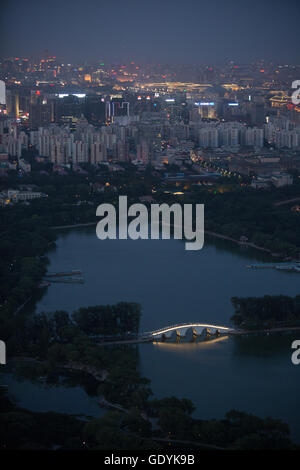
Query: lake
{"x": 177, "y": 286}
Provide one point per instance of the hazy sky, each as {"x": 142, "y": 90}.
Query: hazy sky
{"x": 187, "y": 31}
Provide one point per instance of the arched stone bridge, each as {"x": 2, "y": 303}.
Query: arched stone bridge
{"x": 187, "y": 330}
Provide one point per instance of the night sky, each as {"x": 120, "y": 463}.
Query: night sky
{"x": 161, "y": 31}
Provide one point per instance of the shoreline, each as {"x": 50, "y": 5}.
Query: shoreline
{"x": 247, "y": 244}
{"x": 99, "y": 376}
{"x": 208, "y": 232}
{"x": 266, "y": 331}
{"x": 87, "y": 224}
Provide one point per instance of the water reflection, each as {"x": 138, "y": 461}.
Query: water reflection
{"x": 184, "y": 345}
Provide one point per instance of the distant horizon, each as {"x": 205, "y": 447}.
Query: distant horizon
{"x": 153, "y": 62}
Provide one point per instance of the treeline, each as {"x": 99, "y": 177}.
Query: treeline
{"x": 121, "y": 318}
{"x": 41, "y": 334}
{"x": 131, "y": 430}
{"x": 267, "y": 311}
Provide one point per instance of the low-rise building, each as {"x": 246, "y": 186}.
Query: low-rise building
{"x": 15, "y": 195}
{"x": 283, "y": 179}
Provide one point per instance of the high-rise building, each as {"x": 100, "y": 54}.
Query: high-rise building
{"x": 12, "y": 103}
{"x": 2, "y": 93}
{"x": 258, "y": 112}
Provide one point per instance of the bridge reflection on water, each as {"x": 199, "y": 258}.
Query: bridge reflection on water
{"x": 187, "y": 344}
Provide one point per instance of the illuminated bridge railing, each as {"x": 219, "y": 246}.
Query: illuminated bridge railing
{"x": 187, "y": 325}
